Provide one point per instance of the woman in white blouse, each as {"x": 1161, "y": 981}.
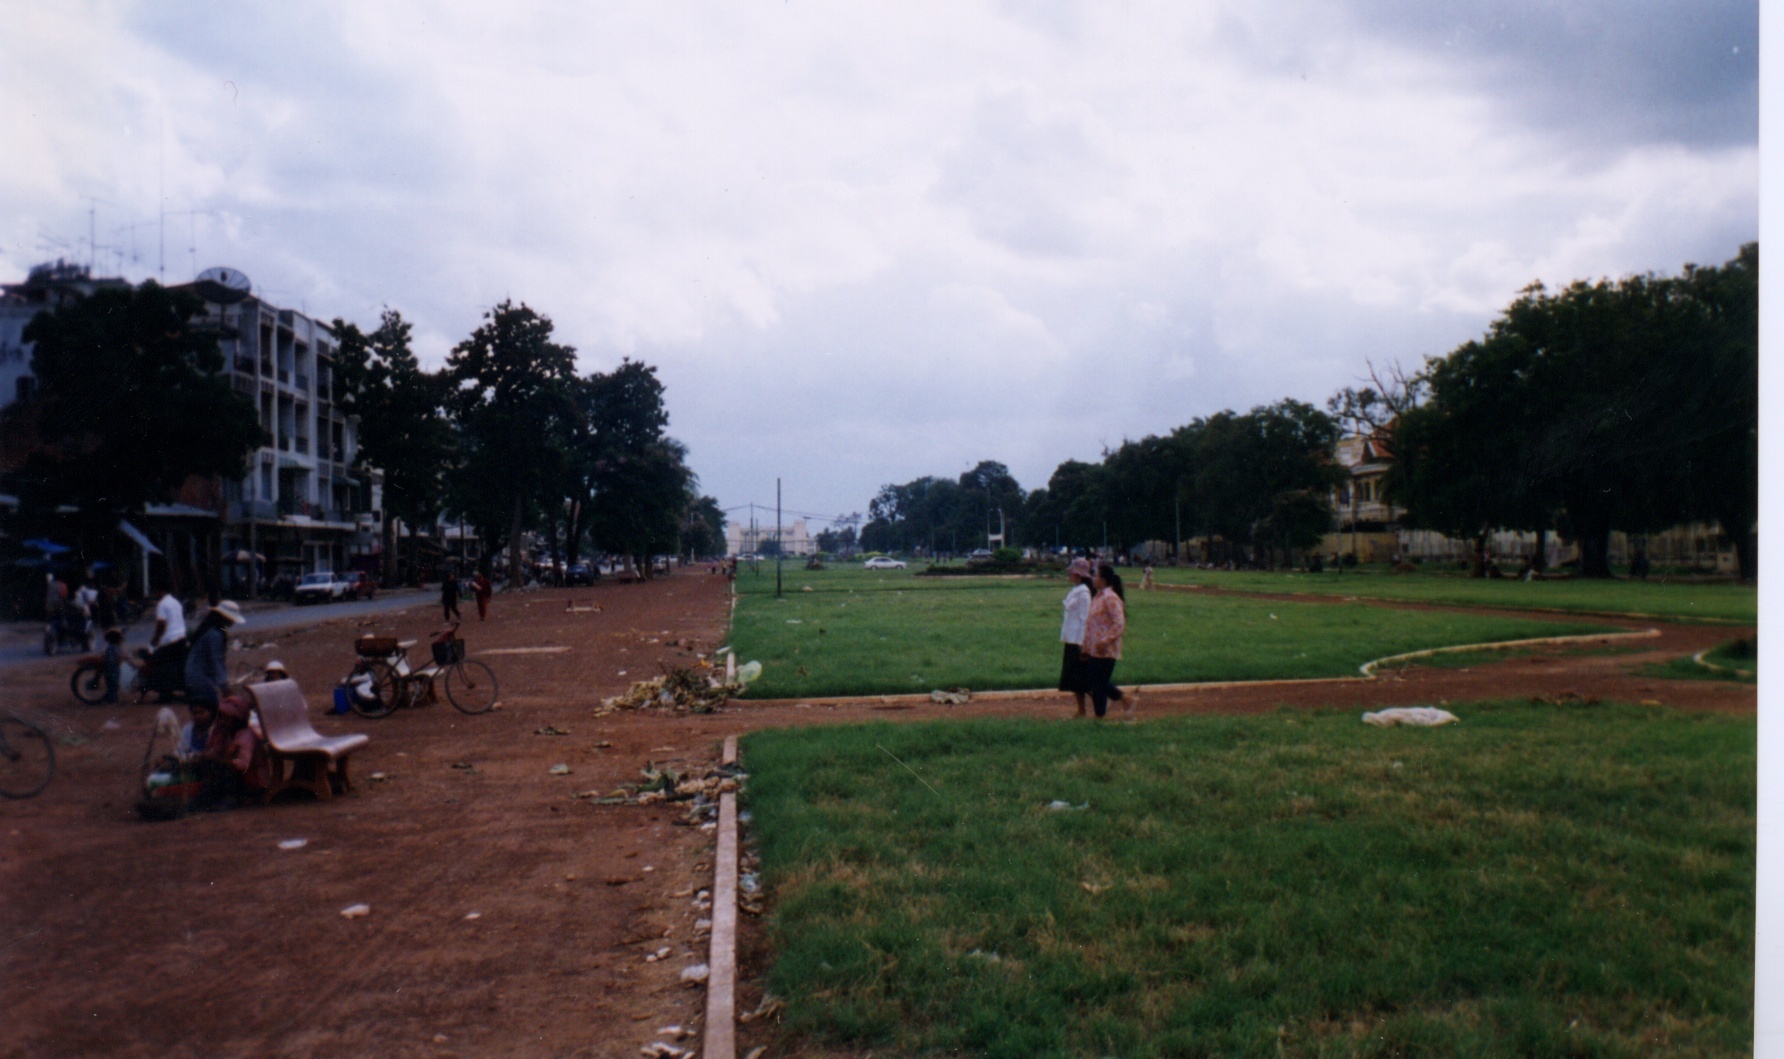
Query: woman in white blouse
{"x": 1072, "y": 676}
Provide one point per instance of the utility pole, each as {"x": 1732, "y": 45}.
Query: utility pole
{"x": 777, "y": 539}
{"x": 1177, "y": 545}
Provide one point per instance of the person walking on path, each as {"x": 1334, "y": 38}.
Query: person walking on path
{"x": 1103, "y": 631}
{"x": 481, "y": 588}
{"x": 449, "y": 597}
{"x": 1072, "y": 676}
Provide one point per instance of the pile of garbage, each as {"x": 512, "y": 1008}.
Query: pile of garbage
{"x": 664, "y": 784}
{"x": 692, "y": 689}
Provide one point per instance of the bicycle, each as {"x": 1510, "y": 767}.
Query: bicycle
{"x": 27, "y": 757}
{"x": 383, "y": 681}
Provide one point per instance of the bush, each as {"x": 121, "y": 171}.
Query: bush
{"x": 1006, "y": 556}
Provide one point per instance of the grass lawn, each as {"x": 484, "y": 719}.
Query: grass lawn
{"x": 1530, "y": 882}
{"x": 1737, "y": 655}
{"x": 1708, "y": 601}
{"x": 879, "y": 632}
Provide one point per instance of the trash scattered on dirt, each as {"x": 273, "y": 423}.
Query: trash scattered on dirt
{"x": 757, "y": 1052}
{"x": 692, "y": 689}
{"x": 379, "y": 777}
{"x": 294, "y": 843}
{"x": 653, "y": 957}
{"x": 770, "y": 1005}
{"x": 951, "y": 696}
{"x": 603, "y": 745}
{"x": 981, "y": 954}
{"x": 551, "y": 729}
{"x": 524, "y": 651}
{"x": 473, "y": 915}
{"x": 1651, "y": 702}
{"x": 1414, "y": 716}
{"x": 675, "y": 1032}
{"x": 1059, "y": 807}
{"x": 694, "y": 974}
{"x": 466, "y": 765}
{"x": 440, "y": 1038}
{"x": 560, "y": 769}
{"x": 1092, "y": 888}
{"x": 661, "y": 1050}
{"x": 356, "y": 911}
{"x": 112, "y": 725}
{"x": 1565, "y": 698}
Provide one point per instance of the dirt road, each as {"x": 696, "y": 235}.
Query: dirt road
{"x": 507, "y": 917}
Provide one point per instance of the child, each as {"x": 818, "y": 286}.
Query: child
{"x": 113, "y": 663}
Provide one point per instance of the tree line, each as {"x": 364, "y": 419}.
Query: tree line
{"x": 1611, "y": 406}
{"x": 132, "y": 399}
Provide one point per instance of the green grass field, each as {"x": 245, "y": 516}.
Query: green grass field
{"x": 1709, "y": 601}
{"x": 882, "y": 632}
{"x": 1530, "y": 882}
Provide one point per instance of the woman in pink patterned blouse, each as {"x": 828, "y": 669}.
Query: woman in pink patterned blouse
{"x": 1103, "y": 631}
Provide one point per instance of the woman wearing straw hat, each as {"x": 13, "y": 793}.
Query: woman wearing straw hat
{"x": 1072, "y": 676}
{"x": 207, "y": 665}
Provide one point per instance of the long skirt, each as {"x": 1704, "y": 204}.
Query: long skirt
{"x": 1071, "y": 671}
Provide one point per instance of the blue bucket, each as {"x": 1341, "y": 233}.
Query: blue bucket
{"x": 341, "y": 703}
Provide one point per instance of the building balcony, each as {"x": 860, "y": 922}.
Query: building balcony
{"x": 302, "y": 381}
{"x": 242, "y": 510}
{"x": 284, "y": 442}
{"x": 266, "y": 367}
{"x": 245, "y": 365}
{"x": 284, "y": 376}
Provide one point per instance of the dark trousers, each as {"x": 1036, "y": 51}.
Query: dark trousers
{"x": 1101, "y": 672}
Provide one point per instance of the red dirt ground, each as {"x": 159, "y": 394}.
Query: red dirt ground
{"x": 201, "y": 937}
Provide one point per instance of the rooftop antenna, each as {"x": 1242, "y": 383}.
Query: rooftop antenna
{"x": 93, "y": 202}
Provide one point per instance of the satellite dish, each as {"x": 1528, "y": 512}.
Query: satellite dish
{"x": 224, "y": 286}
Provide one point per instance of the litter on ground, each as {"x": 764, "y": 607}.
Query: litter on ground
{"x": 1416, "y": 716}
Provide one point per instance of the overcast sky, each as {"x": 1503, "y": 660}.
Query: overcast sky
{"x": 864, "y": 243}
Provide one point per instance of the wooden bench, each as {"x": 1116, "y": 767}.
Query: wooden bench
{"x": 318, "y": 763}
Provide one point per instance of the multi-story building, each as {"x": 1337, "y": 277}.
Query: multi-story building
{"x": 743, "y": 539}
{"x": 301, "y": 508}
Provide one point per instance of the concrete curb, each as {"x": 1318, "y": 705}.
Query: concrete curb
{"x": 1714, "y": 668}
{"x": 721, "y": 960}
{"x": 1367, "y": 669}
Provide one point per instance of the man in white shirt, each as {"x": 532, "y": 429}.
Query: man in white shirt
{"x": 167, "y": 666}
{"x": 170, "y": 622}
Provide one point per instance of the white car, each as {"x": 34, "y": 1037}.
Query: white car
{"x": 882, "y": 562}
{"x": 322, "y": 588}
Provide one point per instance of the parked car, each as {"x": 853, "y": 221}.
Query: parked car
{"x": 364, "y": 585}
{"x": 579, "y": 574}
{"x": 882, "y": 562}
{"x": 321, "y": 588}
{"x": 980, "y": 553}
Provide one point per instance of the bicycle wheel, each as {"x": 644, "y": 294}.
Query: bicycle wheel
{"x": 471, "y": 686}
{"x": 88, "y": 683}
{"x": 386, "y": 689}
{"x": 27, "y": 758}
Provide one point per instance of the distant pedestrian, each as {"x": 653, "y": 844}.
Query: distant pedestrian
{"x": 1072, "y": 675}
{"x": 481, "y": 588}
{"x": 1104, "y": 629}
{"x": 449, "y": 598}
{"x": 207, "y": 669}
{"x": 1146, "y": 577}
{"x": 112, "y": 665}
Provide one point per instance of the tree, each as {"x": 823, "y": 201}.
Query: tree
{"x": 131, "y": 401}
{"x": 641, "y": 496}
{"x": 703, "y": 530}
{"x": 1243, "y": 464}
{"x": 1624, "y": 406}
{"x": 511, "y": 390}
{"x": 402, "y": 431}
{"x": 611, "y": 415}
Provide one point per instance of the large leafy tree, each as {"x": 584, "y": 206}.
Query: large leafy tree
{"x": 1624, "y": 406}
{"x": 131, "y": 401}
{"x": 511, "y": 389}
{"x": 1244, "y": 464}
{"x": 402, "y": 429}
{"x": 642, "y": 496}
{"x": 612, "y": 416}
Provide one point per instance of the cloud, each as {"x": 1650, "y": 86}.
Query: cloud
{"x": 873, "y": 243}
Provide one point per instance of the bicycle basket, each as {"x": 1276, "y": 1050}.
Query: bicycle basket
{"x": 375, "y": 646}
{"x": 448, "y": 652}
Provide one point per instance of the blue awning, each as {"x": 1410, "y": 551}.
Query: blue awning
{"x": 136, "y": 535}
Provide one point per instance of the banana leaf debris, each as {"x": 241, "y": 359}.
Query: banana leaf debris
{"x": 687, "y": 689}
